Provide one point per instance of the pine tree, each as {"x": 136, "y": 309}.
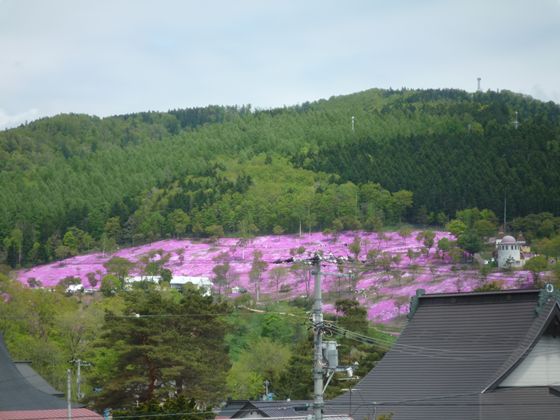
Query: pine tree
{"x": 163, "y": 346}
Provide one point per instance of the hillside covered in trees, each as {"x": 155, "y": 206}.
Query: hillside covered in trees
{"x": 194, "y": 347}
{"x": 73, "y": 183}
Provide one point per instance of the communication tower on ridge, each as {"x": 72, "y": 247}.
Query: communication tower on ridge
{"x": 478, "y": 89}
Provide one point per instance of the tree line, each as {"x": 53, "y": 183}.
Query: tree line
{"x": 258, "y": 196}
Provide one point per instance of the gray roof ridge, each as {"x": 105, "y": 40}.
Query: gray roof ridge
{"x": 471, "y": 294}
{"x": 536, "y": 330}
{"x": 421, "y": 297}
{"x": 17, "y": 393}
{"x": 25, "y": 379}
{"x": 36, "y": 380}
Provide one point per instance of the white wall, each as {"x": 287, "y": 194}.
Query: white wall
{"x": 541, "y": 367}
{"x": 508, "y": 251}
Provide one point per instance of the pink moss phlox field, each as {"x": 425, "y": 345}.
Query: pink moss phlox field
{"x": 384, "y": 293}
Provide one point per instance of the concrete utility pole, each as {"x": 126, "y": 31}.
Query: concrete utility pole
{"x": 79, "y": 380}
{"x": 79, "y": 363}
{"x": 69, "y": 393}
{"x": 318, "y": 402}
{"x": 321, "y": 363}
{"x": 266, "y": 384}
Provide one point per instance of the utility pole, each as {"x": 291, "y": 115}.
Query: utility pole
{"x": 79, "y": 380}
{"x": 79, "y": 363}
{"x": 318, "y": 402}
{"x": 325, "y": 358}
{"x": 69, "y": 393}
{"x": 266, "y": 384}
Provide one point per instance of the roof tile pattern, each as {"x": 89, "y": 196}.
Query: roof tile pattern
{"x": 454, "y": 347}
{"x": 20, "y": 399}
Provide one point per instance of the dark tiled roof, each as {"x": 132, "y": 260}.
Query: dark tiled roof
{"x": 455, "y": 347}
{"x": 35, "y": 379}
{"x": 17, "y": 393}
{"x": 294, "y": 410}
{"x": 280, "y": 408}
{"x": 520, "y": 404}
{"x": 231, "y": 407}
{"x": 546, "y": 313}
{"x": 276, "y": 409}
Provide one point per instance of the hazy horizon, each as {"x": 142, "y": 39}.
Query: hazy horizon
{"x": 106, "y": 58}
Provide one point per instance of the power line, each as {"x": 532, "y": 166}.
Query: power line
{"x": 249, "y": 312}
{"x": 445, "y": 353}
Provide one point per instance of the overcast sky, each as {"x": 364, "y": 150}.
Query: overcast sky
{"x": 108, "y": 57}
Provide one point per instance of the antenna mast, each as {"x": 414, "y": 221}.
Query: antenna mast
{"x": 478, "y": 89}
{"x": 505, "y": 224}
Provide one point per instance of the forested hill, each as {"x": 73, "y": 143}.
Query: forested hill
{"x": 473, "y": 153}
{"x": 73, "y": 182}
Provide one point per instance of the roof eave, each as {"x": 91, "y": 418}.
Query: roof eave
{"x": 470, "y": 294}
{"x": 553, "y": 311}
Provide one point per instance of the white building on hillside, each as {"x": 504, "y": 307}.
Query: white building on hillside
{"x": 129, "y": 281}
{"x": 509, "y": 252}
{"x": 203, "y": 283}
{"x": 74, "y": 288}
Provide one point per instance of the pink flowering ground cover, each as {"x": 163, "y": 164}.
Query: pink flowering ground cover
{"x": 385, "y": 294}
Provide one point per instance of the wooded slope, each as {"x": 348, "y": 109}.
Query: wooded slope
{"x": 124, "y": 176}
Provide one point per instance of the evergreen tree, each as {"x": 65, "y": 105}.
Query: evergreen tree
{"x": 164, "y": 346}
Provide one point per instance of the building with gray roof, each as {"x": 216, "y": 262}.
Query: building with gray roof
{"x": 280, "y": 409}
{"x": 468, "y": 356}
{"x": 24, "y": 395}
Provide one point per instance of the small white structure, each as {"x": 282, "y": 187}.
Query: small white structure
{"x": 130, "y": 281}
{"x": 509, "y": 252}
{"x": 74, "y": 288}
{"x": 203, "y": 283}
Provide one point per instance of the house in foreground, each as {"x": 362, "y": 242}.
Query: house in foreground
{"x": 238, "y": 409}
{"x": 293, "y": 410}
{"x": 468, "y": 356}
{"x": 24, "y": 395}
